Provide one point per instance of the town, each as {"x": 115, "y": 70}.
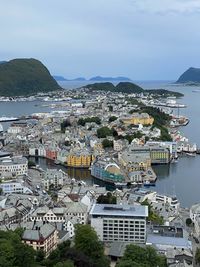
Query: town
{"x": 118, "y": 137}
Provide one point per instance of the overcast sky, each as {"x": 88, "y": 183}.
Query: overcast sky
{"x": 141, "y": 39}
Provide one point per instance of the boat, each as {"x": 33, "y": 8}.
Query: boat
{"x": 191, "y": 154}
{"x": 148, "y": 183}
{"x": 5, "y": 119}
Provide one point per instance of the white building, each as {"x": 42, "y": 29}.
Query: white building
{"x": 120, "y": 222}
{"x": 14, "y": 166}
{"x": 14, "y": 187}
{"x": 54, "y": 177}
{"x": 70, "y": 211}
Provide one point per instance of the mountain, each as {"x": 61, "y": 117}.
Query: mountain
{"x": 190, "y": 75}
{"x": 22, "y": 77}
{"x": 59, "y": 78}
{"x": 124, "y": 87}
{"x": 130, "y": 88}
{"x": 99, "y": 78}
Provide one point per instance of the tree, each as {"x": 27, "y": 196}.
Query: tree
{"x": 67, "y": 263}
{"x": 66, "y": 123}
{"x": 188, "y": 222}
{"x": 86, "y": 241}
{"x": 144, "y": 257}
{"x": 153, "y": 216}
{"x": 103, "y": 132}
{"x": 197, "y": 255}
{"x": 107, "y": 199}
{"x": 31, "y": 164}
{"x": 112, "y": 118}
{"x": 107, "y": 143}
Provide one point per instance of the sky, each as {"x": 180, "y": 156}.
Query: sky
{"x": 139, "y": 39}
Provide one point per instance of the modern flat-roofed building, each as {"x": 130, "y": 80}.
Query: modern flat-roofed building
{"x": 119, "y": 222}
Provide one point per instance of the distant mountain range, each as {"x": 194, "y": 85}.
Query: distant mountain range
{"x": 96, "y": 79}
{"x": 190, "y": 76}
{"x": 25, "y": 76}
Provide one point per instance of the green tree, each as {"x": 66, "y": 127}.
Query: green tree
{"x": 197, "y": 256}
{"x": 86, "y": 241}
{"x": 103, "y": 132}
{"x": 154, "y": 217}
{"x": 144, "y": 257}
{"x": 67, "y": 263}
{"x": 31, "y": 163}
{"x": 107, "y": 199}
{"x": 112, "y": 118}
{"x": 107, "y": 143}
{"x": 188, "y": 222}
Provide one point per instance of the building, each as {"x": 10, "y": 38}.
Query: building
{"x": 41, "y": 236}
{"x": 10, "y": 187}
{"x": 172, "y": 146}
{"x": 54, "y": 177}
{"x": 13, "y": 166}
{"x": 138, "y": 118}
{"x": 71, "y": 210}
{"x": 106, "y": 170}
{"x": 80, "y": 159}
{"x": 119, "y": 222}
{"x": 159, "y": 155}
{"x": 135, "y": 160}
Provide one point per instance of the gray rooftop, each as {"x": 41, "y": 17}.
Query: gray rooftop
{"x": 119, "y": 210}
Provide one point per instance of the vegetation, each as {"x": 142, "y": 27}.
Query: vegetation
{"x": 112, "y": 118}
{"x": 13, "y": 252}
{"x": 164, "y": 93}
{"x": 83, "y": 121}
{"x": 197, "y": 256}
{"x": 141, "y": 257}
{"x": 104, "y": 131}
{"x": 31, "y": 164}
{"x": 188, "y": 222}
{"x": 22, "y": 77}
{"x": 130, "y": 137}
{"x": 161, "y": 120}
{"x": 153, "y": 217}
{"x": 129, "y": 88}
{"x": 107, "y": 199}
{"x": 107, "y": 143}
{"x": 86, "y": 241}
{"x": 64, "y": 125}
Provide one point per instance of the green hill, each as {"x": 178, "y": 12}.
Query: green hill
{"x": 130, "y": 88}
{"x": 190, "y": 75}
{"x": 124, "y": 87}
{"x": 22, "y": 77}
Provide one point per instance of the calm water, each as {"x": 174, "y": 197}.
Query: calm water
{"x": 182, "y": 178}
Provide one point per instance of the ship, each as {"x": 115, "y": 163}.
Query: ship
{"x": 5, "y": 119}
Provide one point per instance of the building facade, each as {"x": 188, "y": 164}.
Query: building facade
{"x": 119, "y": 222}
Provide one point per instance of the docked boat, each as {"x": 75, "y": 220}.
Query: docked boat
{"x": 191, "y": 154}
{"x": 148, "y": 183}
{"x": 5, "y": 119}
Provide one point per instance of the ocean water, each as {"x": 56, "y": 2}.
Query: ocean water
{"x": 181, "y": 179}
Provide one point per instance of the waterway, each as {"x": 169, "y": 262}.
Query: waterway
{"x": 181, "y": 179}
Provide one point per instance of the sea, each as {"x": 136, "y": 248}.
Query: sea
{"x": 181, "y": 179}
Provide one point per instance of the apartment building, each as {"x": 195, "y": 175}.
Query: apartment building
{"x": 119, "y": 222}
{"x": 13, "y": 166}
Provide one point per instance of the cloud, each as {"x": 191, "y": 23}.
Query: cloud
{"x": 167, "y": 6}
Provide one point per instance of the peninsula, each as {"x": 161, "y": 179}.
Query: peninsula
{"x": 129, "y": 88}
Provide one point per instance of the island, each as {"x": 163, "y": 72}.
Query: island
{"x": 23, "y": 77}
{"x": 130, "y": 88}
{"x": 113, "y": 79}
{"x": 190, "y": 76}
